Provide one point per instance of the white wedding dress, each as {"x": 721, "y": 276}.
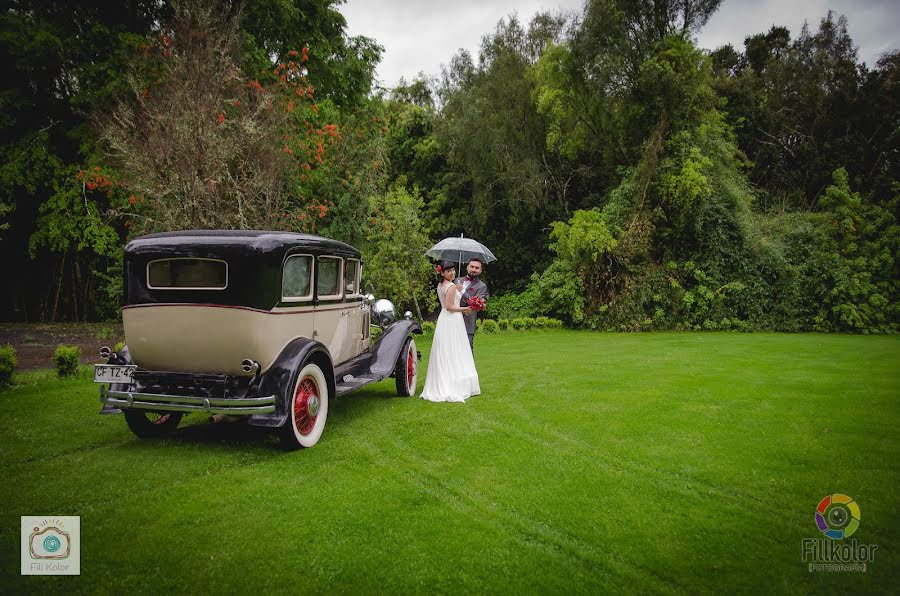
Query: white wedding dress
{"x": 451, "y": 372}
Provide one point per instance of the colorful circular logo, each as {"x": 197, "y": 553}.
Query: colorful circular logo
{"x": 837, "y": 516}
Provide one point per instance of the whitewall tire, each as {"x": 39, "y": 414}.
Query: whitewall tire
{"x": 406, "y": 373}
{"x": 308, "y": 409}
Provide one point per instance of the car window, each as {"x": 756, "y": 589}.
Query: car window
{"x": 187, "y": 273}
{"x": 351, "y": 277}
{"x": 329, "y": 276}
{"x": 295, "y": 282}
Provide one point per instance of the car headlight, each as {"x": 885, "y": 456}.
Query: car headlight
{"x": 383, "y": 312}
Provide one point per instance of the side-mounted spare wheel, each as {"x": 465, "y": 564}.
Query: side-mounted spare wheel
{"x": 406, "y": 373}
{"x": 308, "y": 409}
{"x": 148, "y": 425}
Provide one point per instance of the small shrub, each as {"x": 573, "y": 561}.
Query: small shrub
{"x": 375, "y": 333}
{"x": 503, "y": 324}
{"x": 119, "y": 346}
{"x": 490, "y": 326}
{"x": 7, "y": 365}
{"x": 427, "y": 328}
{"x": 510, "y": 305}
{"x": 550, "y": 323}
{"x": 519, "y": 324}
{"x": 67, "y": 359}
{"x": 105, "y": 333}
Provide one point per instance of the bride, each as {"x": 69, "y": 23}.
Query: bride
{"x": 451, "y": 372}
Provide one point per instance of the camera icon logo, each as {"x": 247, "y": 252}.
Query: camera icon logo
{"x": 837, "y": 516}
{"x": 50, "y": 543}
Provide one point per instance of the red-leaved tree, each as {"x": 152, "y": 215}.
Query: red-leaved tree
{"x": 200, "y": 145}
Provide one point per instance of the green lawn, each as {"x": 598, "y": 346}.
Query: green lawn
{"x": 638, "y": 462}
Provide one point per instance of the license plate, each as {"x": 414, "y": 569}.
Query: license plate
{"x": 111, "y": 373}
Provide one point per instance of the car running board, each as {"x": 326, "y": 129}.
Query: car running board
{"x": 350, "y": 383}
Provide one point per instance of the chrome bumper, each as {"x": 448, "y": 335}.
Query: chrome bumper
{"x": 182, "y": 403}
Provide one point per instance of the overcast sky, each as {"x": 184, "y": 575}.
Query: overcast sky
{"x": 421, "y": 35}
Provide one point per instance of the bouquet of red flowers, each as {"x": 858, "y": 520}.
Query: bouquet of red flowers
{"x": 476, "y": 303}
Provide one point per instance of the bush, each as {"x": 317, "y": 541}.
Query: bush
{"x": 119, "y": 346}
{"x": 519, "y": 324}
{"x": 7, "y": 365}
{"x": 511, "y": 305}
{"x": 490, "y": 326}
{"x": 427, "y": 328}
{"x": 503, "y": 324}
{"x": 105, "y": 333}
{"x": 67, "y": 359}
{"x": 547, "y": 323}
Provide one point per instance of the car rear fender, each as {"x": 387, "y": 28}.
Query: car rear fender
{"x": 280, "y": 378}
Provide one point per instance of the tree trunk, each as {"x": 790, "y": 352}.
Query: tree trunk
{"x": 418, "y": 310}
{"x": 62, "y": 264}
{"x": 75, "y": 288}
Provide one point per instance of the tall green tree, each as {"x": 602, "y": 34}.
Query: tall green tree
{"x": 63, "y": 60}
{"x": 395, "y": 263}
{"x": 341, "y": 66}
{"x": 67, "y": 60}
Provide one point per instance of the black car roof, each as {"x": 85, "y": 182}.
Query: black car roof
{"x": 255, "y": 240}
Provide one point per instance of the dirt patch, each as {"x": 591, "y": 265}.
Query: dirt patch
{"x": 35, "y": 343}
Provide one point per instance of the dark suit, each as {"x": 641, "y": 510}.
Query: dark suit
{"x": 476, "y": 288}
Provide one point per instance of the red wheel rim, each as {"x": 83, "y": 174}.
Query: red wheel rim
{"x": 306, "y": 405}
{"x": 156, "y": 418}
{"x": 410, "y": 368}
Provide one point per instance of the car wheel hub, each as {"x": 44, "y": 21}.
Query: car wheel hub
{"x": 306, "y": 406}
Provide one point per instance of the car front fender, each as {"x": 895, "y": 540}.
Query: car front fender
{"x": 386, "y": 350}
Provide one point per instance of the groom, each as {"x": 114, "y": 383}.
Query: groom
{"x": 472, "y": 286}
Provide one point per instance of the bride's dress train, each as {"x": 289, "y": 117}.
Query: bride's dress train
{"x": 451, "y": 372}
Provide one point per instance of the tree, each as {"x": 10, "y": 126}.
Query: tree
{"x": 63, "y": 59}
{"x": 862, "y": 293}
{"x": 196, "y": 141}
{"x": 341, "y": 67}
{"x": 799, "y": 111}
{"x": 69, "y": 60}
{"x": 394, "y": 253}
{"x": 504, "y": 186}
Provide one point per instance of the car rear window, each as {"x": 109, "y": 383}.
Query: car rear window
{"x": 295, "y": 282}
{"x": 187, "y": 274}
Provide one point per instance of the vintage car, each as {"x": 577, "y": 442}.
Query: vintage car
{"x": 265, "y": 326}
